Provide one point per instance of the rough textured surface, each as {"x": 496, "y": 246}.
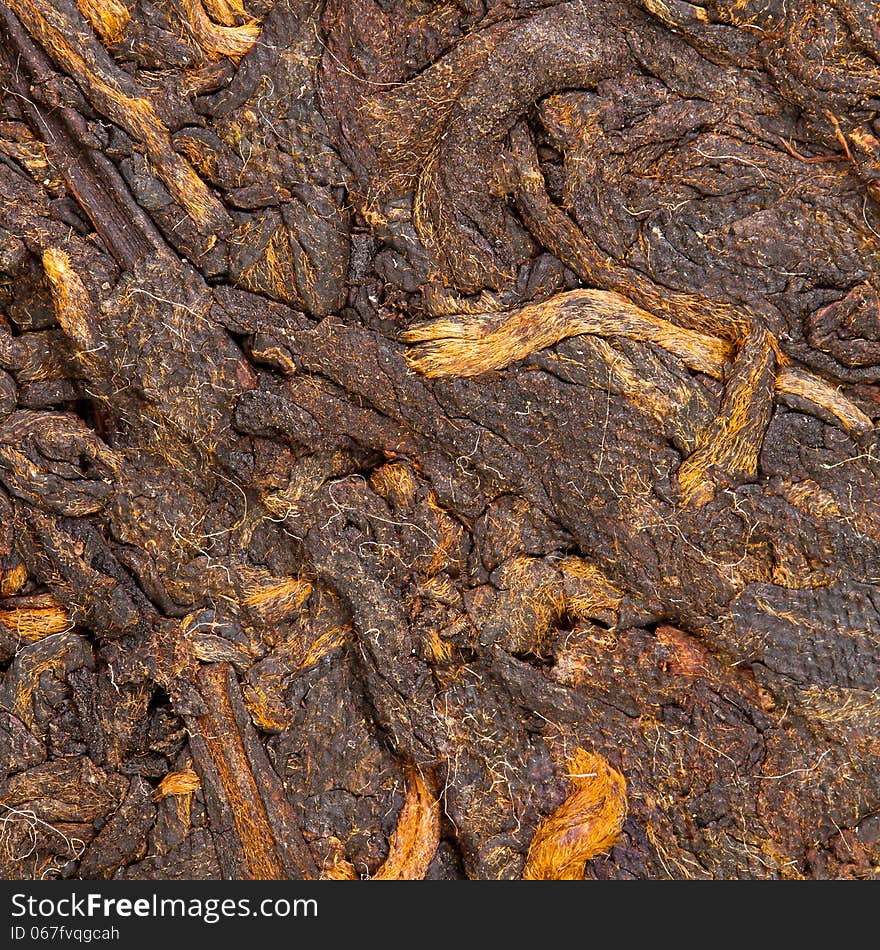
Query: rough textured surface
{"x": 403, "y": 401}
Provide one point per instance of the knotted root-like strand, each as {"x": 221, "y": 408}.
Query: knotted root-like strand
{"x": 732, "y": 440}
{"x": 471, "y": 344}
{"x": 479, "y": 344}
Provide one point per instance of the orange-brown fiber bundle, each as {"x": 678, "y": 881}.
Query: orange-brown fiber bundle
{"x": 584, "y": 825}
{"x": 416, "y": 836}
{"x": 183, "y": 782}
{"x": 32, "y": 618}
{"x": 413, "y": 843}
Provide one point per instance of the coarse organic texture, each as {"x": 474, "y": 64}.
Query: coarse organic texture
{"x": 438, "y": 439}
